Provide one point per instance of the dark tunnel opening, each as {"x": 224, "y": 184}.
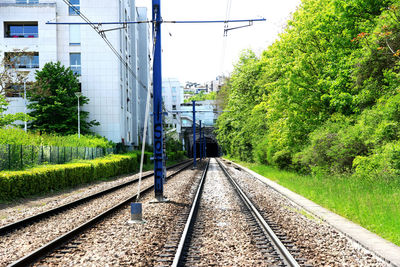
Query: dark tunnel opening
{"x": 211, "y": 149}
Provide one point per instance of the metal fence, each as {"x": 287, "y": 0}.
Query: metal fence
{"x": 16, "y": 157}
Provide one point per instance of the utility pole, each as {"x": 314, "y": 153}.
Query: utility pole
{"x": 157, "y": 104}
{"x": 194, "y": 134}
{"x": 78, "y": 95}
{"x": 200, "y": 145}
{"x": 25, "y": 122}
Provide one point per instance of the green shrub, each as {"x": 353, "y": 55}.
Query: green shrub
{"x": 13, "y": 136}
{"x": 17, "y": 184}
{"x": 383, "y": 163}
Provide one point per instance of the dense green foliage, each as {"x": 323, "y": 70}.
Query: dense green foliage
{"x": 19, "y": 137}
{"x": 54, "y": 104}
{"x": 325, "y": 96}
{"x": 202, "y": 96}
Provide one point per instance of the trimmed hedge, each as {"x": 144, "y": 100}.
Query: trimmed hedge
{"x": 46, "y": 178}
{"x": 17, "y": 184}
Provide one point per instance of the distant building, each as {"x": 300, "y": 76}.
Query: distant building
{"x": 216, "y": 85}
{"x": 117, "y": 99}
{"x": 205, "y": 111}
{"x": 172, "y": 93}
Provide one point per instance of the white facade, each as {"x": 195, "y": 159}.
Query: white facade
{"x": 172, "y": 94}
{"x": 116, "y": 97}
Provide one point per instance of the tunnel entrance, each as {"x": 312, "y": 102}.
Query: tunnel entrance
{"x": 212, "y": 149}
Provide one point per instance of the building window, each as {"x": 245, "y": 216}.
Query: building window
{"x": 174, "y": 116}
{"x": 75, "y": 62}
{"x": 27, "y": 1}
{"x": 22, "y": 60}
{"x": 74, "y": 34}
{"x": 173, "y": 98}
{"x": 173, "y": 107}
{"x": 76, "y": 6}
{"x": 21, "y": 30}
{"x": 16, "y": 90}
{"x": 173, "y": 89}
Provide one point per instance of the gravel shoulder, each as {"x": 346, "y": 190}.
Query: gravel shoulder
{"x": 319, "y": 243}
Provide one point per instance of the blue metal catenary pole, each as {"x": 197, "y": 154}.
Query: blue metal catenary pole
{"x": 157, "y": 104}
{"x": 200, "y": 143}
{"x": 194, "y": 134}
{"x": 204, "y": 144}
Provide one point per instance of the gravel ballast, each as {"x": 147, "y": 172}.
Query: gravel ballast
{"x": 222, "y": 235}
{"x": 16, "y": 244}
{"x": 115, "y": 242}
{"x": 319, "y": 243}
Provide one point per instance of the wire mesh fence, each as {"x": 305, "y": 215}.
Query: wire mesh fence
{"x": 17, "y": 157}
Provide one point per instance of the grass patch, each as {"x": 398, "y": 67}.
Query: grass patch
{"x": 375, "y": 205}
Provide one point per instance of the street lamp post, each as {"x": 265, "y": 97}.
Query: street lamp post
{"x": 78, "y": 95}
{"x": 25, "y": 122}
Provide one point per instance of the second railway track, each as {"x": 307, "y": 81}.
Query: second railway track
{"x": 29, "y": 234}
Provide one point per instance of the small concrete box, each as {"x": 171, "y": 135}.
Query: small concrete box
{"x": 136, "y": 213}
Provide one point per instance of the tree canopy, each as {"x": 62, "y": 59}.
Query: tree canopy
{"x": 202, "y": 96}
{"x": 54, "y": 104}
{"x": 314, "y": 100}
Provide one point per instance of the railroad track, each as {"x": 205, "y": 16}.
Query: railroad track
{"x": 16, "y": 228}
{"x": 203, "y": 222}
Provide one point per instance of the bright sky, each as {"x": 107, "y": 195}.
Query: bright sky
{"x": 194, "y": 52}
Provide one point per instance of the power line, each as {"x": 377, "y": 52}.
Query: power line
{"x": 162, "y": 21}
{"x": 104, "y": 37}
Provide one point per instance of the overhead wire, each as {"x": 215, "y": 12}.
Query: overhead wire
{"x": 104, "y": 37}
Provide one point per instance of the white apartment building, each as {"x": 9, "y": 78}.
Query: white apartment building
{"x": 172, "y": 94}
{"x": 117, "y": 91}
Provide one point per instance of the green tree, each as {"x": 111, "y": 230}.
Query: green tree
{"x": 9, "y": 78}
{"x": 335, "y": 59}
{"x": 202, "y": 96}
{"x": 54, "y": 104}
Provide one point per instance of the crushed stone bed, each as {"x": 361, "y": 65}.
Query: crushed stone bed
{"x": 27, "y": 239}
{"x": 115, "y": 242}
{"x": 319, "y": 243}
{"x": 222, "y": 235}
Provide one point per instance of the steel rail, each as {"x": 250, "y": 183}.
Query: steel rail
{"x": 191, "y": 219}
{"x": 52, "y": 245}
{"x": 287, "y": 257}
{"x": 46, "y": 214}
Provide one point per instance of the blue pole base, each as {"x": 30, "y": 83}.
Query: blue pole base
{"x": 159, "y": 199}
